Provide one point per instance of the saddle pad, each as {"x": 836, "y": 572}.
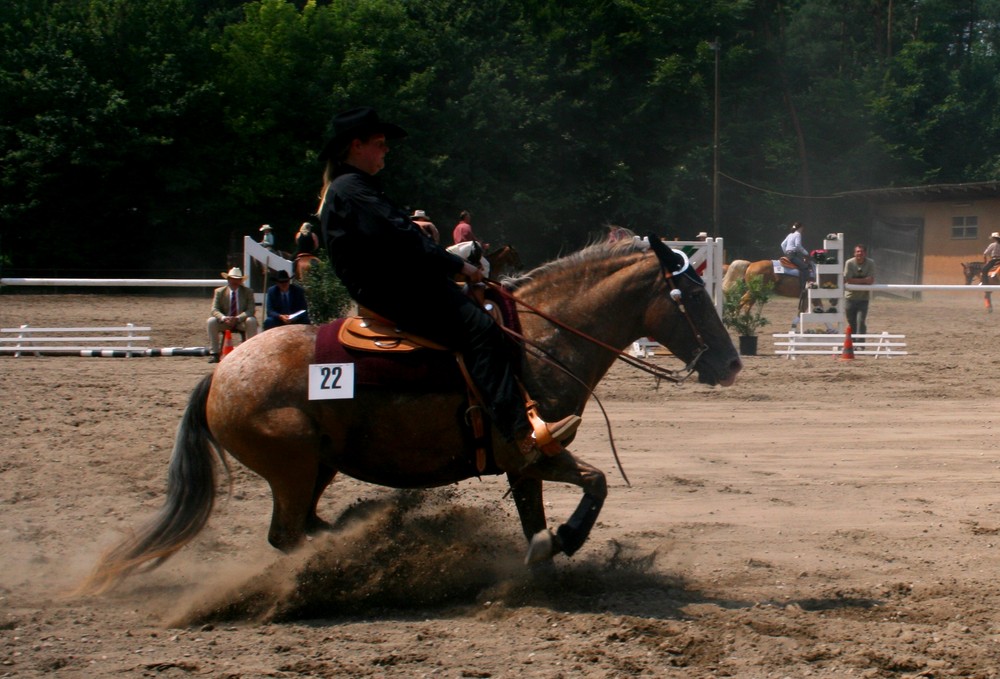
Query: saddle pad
{"x": 419, "y": 370}
{"x": 782, "y": 270}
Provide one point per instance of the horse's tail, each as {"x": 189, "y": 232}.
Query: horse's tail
{"x": 736, "y": 272}
{"x": 190, "y": 498}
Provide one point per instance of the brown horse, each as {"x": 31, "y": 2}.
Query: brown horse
{"x": 991, "y": 277}
{"x": 972, "y": 270}
{"x": 256, "y": 406}
{"x": 504, "y": 261}
{"x": 784, "y": 284}
{"x": 303, "y": 263}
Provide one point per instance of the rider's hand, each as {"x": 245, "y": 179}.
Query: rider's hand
{"x": 472, "y": 272}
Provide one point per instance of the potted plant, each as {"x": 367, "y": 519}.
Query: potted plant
{"x": 743, "y": 311}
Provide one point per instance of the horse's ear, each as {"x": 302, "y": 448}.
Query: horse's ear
{"x": 668, "y": 258}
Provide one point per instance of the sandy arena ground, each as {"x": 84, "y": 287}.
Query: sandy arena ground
{"x": 822, "y": 518}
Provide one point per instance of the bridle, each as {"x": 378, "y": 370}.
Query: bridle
{"x": 677, "y": 376}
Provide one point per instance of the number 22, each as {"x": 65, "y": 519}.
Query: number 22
{"x": 331, "y": 378}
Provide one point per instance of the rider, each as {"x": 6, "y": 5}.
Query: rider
{"x": 799, "y": 256}
{"x": 991, "y": 257}
{"x": 306, "y": 242}
{"x": 387, "y": 265}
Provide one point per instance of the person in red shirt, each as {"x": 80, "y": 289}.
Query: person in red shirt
{"x": 463, "y": 230}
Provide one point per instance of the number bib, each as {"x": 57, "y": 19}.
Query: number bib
{"x": 330, "y": 381}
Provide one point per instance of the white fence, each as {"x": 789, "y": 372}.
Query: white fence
{"x": 791, "y": 344}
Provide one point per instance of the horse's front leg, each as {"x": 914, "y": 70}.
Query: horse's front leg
{"x": 570, "y": 536}
{"x": 527, "y": 494}
{"x": 988, "y": 301}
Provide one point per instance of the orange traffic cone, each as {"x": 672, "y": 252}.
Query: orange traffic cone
{"x": 848, "y": 352}
{"x": 227, "y": 343}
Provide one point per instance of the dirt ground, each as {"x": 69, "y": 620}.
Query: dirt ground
{"x": 821, "y": 518}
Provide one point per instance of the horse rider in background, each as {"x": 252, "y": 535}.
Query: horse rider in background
{"x": 991, "y": 257}
{"x": 792, "y": 248}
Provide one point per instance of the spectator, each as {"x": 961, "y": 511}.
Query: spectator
{"x": 267, "y": 240}
{"x": 858, "y": 270}
{"x": 232, "y": 309}
{"x": 421, "y": 219}
{"x": 285, "y": 304}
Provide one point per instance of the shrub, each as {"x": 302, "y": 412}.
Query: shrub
{"x": 326, "y": 295}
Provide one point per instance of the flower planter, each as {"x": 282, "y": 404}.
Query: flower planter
{"x": 748, "y": 345}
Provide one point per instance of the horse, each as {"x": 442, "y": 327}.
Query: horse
{"x": 504, "y": 261}
{"x": 971, "y": 270}
{"x": 304, "y": 262}
{"x": 786, "y": 285}
{"x": 584, "y": 309}
{"x": 991, "y": 277}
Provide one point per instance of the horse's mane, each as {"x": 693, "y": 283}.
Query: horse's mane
{"x": 596, "y": 250}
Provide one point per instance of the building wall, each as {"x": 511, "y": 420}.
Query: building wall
{"x": 943, "y": 255}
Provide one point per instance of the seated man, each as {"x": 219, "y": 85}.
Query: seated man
{"x": 285, "y": 304}
{"x": 232, "y": 309}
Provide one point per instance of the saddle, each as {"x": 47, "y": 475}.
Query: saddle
{"x": 370, "y": 332}
{"x": 787, "y": 263}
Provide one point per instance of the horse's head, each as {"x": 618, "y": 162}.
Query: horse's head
{"x": 681, "y": 316}
{"x": 970, "y": 270}
{"x": 505, "y": 261}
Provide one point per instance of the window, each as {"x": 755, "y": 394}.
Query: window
{"x": 965, "y": 228}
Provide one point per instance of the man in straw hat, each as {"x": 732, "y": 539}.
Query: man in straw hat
{"x": 267, "y": 239}
{"x": 425, "y": 224}
{"x": 232, "y": 309}
{"x": 389, "y": 266}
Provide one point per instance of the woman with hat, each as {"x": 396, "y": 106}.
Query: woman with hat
{"x": 233, "y": 309}
{"x": 991, "y": 257}
{"x": 389, "y": 266}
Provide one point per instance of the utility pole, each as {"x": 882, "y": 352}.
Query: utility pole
{"x": 716, "y": 47}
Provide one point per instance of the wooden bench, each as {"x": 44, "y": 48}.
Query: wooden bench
{"x": 125, "y": 340}
{"x": 791, "y": 344}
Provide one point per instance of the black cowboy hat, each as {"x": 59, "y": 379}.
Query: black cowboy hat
{"x": 355, "y": 124}
{"x": 282, "y": 276}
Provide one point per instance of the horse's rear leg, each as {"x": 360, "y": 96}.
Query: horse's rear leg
{"x": 324, "y": 477}
{"x": 988, "y": 301}
{"x": 570, "y": 536}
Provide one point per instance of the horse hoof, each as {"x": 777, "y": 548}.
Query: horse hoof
{"x": 541, "y": 547}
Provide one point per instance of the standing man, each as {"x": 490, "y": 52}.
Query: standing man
{"x": 388, "y": 265}
{"x": 285, "y": 304}
{"x": 232, "y": 309}
{"x": 858, "y": 270}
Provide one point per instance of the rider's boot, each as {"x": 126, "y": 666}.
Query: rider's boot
{"x": 547, "y": 437}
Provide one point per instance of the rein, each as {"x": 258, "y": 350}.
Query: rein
{"x": 677, "y": 376}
